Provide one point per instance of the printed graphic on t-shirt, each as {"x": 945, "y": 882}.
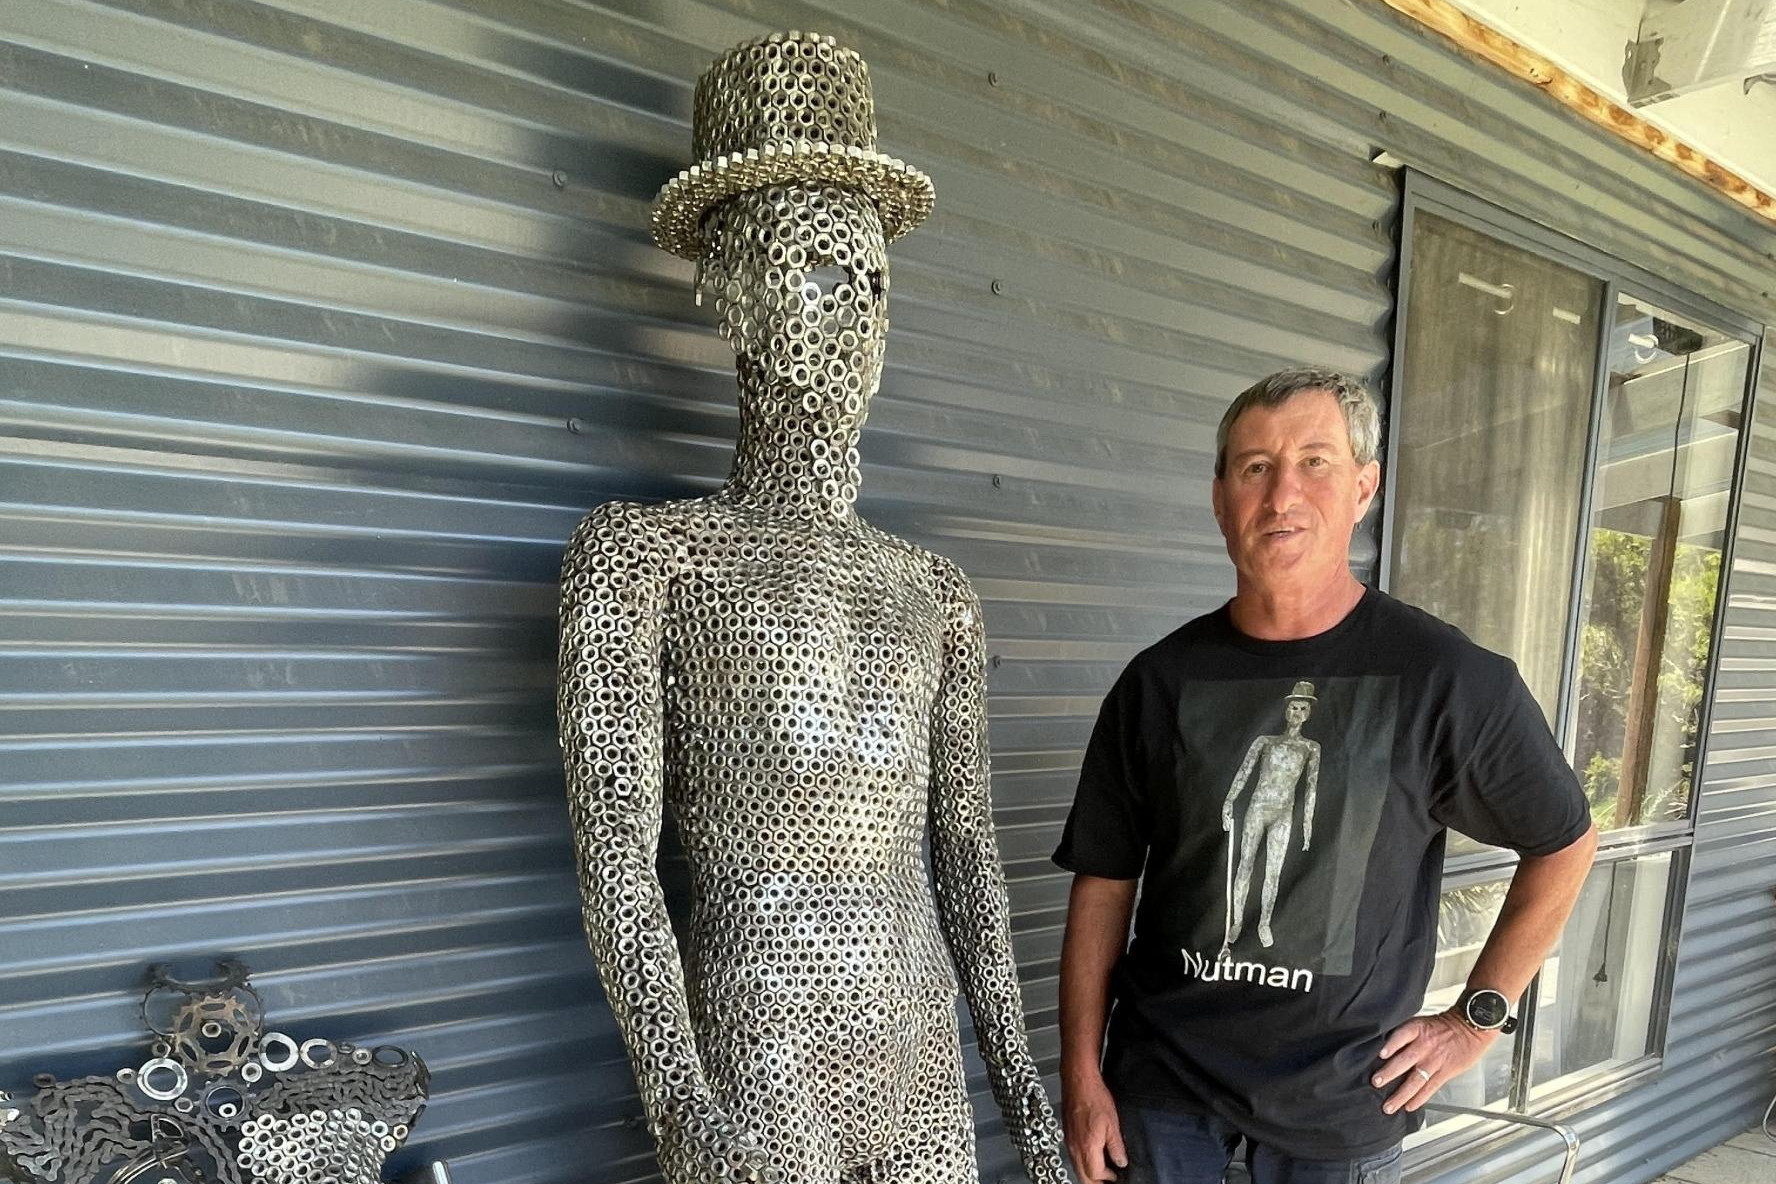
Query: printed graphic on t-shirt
{"x": 1290, "y": 777}
{"x": 1279, "y": 768}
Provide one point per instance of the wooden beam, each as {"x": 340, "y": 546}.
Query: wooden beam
{"x": 1649, "y": 660}
{"x": 1483, "y": 41}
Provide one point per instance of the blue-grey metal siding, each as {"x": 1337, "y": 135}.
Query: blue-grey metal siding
{"x": 322, "y": 321}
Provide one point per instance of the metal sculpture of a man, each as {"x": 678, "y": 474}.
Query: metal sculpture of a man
{"x": 1283, "y": 763}
{"x": 806, "y": 692}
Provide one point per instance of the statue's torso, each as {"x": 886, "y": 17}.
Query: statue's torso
{"x": 1284, "y": 759}
{"x": 801, "y": 664}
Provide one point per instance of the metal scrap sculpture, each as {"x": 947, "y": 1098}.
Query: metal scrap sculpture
{"x": 219, "y": 1101}
{"x": 807, "y": 692}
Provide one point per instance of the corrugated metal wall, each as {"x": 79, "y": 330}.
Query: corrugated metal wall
{"x": 321, "y": 323}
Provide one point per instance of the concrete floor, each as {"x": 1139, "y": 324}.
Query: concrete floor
{"x": 1749, "y": 1158}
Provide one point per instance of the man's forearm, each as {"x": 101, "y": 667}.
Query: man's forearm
{"x": 1425, "y": 1052}
{"x": 1536, "y": 907}
{"x": 1098, "y": 913}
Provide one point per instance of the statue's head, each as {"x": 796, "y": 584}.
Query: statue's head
{"x": 799, "y": 276}
{"x": 789, "y": 212}
{"x": 1300, "y": 703}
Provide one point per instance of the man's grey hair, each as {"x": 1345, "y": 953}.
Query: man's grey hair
{"x": 1362, "y": 418}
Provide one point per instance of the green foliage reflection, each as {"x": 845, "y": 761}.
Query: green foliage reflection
{"x": 1618, "y": 599}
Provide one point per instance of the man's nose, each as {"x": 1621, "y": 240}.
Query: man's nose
{"x": 1283, "y": 491}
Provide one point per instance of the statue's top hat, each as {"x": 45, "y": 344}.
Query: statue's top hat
{"x": 1303, "y": 693}
{"x": 791, "y": 107}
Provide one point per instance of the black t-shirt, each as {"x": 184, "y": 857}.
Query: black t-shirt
{"x": 1271, "y": 960}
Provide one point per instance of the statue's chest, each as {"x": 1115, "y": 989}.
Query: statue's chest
{"x": 1284, "y": 760}
{"x": 860, "y": 617}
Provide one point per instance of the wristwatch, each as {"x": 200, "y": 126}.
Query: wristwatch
{"x": 1487, "y": 1010}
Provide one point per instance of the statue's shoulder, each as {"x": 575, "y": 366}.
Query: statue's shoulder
{"x": 951, "y": 581}
{"x": 949, "y": 584}
{"x": 630, "y": 534}
{"x": 946, "y": 574}
{"x": 668, "y": 520}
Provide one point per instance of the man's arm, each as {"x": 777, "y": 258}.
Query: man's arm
{"x": 1098, "y": 912}
{"x": 1430, "y": 1050}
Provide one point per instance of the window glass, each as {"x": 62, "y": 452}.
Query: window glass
{"x": 1489, "y": 436}
{"x": 1668, "y": 440}
{"x": 1562, "y": 458}
{"x": 1595, "y": 1002}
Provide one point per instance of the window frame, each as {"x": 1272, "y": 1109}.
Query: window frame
{"x": 1424, "y": 194}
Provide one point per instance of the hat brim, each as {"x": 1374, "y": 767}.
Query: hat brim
{"x": 903, "y": 195}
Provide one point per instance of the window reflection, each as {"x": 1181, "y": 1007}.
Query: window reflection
{"x": 1669, "y": 436}
{"x": 1496, "y": 391}
{"x": 1496, "y": 388}
{"x": 1595, "y": 1003}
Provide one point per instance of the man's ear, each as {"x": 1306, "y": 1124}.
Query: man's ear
{"x": 1215, "y": 504}
{"x": 1368, "y": 485}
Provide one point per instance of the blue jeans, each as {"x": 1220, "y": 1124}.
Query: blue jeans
{"x": 1169, "y": 1148}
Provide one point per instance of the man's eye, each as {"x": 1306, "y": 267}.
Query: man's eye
{"x": 1256, "y": 467}
{"x": 1314, "y": 462}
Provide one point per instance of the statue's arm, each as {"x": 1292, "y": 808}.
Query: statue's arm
{"x": 1239, "y": 782}
{"x": 1313, "y": 786}
{"x": 971, "y": 894}
{"x": 611, "y": 716}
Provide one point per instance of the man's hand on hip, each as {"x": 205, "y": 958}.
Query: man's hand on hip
{"x": 1426, "y": 1052}
{"x": 1094, "y": 1133}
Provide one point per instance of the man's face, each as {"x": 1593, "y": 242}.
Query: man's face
{"x": 800, "y": 279}
{"x": 1291, "y": 495}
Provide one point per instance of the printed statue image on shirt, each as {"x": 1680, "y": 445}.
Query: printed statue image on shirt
{"x": 1284, "y": 765}
{"x": 1282, "y": 788}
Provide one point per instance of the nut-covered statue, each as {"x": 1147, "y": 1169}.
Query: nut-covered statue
{"x": 806, "y": 692}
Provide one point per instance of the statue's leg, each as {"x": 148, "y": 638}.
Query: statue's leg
{"x": 757, "y": 1062}
{"x": 868, "y": 1069}
{"x": 933, "y": 1133}
{"x": 1276, "y": 849}
{"x": 1251, "y": 835}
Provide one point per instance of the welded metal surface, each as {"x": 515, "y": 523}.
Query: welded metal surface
{"x": 323, "y": 322}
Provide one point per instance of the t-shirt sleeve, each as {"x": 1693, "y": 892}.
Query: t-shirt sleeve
{"x": 1507, "y": 782}
{"x": 1106, "y": 831}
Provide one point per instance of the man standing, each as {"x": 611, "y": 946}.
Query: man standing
{"x": 1300, "y": 1038}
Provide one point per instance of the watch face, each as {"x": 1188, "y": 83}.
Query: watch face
{"x": 1487, "y": 1009}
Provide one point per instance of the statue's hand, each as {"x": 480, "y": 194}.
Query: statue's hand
{"x": 705, "y": 1146}
{"x": 1227, "y": 819}
{"x": 1036, "y": 1134}
{"x": 1045, "y": 1167}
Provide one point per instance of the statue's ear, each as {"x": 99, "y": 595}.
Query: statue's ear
{"x": 712, "y": 275}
